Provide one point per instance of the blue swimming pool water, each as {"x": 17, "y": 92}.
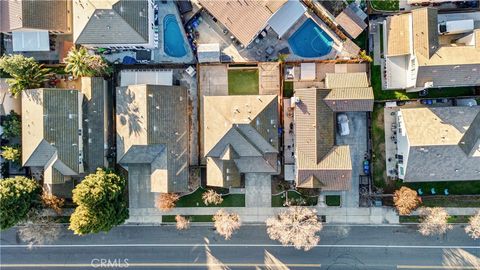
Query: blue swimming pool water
{"x": 173, "y": 42}
{"x": 310, "y": 41}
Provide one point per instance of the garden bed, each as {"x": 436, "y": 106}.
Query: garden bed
{"x": 192, "y": 218}
{"x": 279, "y": 199}
{"x": 195, "y": 200}
{"x": 451, "y": 201}
{"x": 333, "y": 200}
{"x": 451, "y": 219}
{"x": 385, "y": 5}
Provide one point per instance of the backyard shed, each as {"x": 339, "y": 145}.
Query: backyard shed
{"x": 307, "y": 71}
{"x": 30, "y": 41}
{"x": 155, "y": 77}
{"x": 208, "y": 53}
{"x": 293, "y": 10}
{"x": 352, "y": 20}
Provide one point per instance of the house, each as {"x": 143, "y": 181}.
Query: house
{"x": 152, "y": 140}
{"x": 8, "y": 102}
{"x": 319, "y": 161}
{"x": 418, "y": 57}
{"x": 31, "y": 22}
{"x": 352, "y": 20}
{"x": 121, "y": 24}
{"x": 444, "y": 145}
{"x": 65, "y": 133}
{"x": 247, "y": 19}
{"x": 240, "y": 136}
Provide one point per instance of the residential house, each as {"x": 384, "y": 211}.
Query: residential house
{"x": 240, "y": 135}
{"x": 438, "y": 144}
{"x": 417, "y": 57}
{"x": 247, "y": 19}
{"x": 65, "y": 133}
{"x": 121, "y": 24}
{"x": 352, "y": 20}
{"x": 30, "y": 22}
{"x": 319, "y": 161}
{"x": 152, "y": 140}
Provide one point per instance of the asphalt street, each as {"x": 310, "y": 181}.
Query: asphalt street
{"x": 154, "y": 247}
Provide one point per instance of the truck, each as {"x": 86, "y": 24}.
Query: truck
{"x": 455, "y": 27}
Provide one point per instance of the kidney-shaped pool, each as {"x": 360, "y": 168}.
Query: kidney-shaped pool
{"x": 173, "y": 41}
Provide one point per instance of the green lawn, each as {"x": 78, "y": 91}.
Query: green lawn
{"x": 385, "y": 5}
{"x": 279, "y": 200}
{"x": 243, "y": 81}
{"x": 195, "y": 200}
{"x": 287, "y": 89}
{"x": 403, "y": 95}
{"x": 193, "y": 218}
{"x": 451, "y": 201}
{"x": 378, "y": 138}
{"x": 452, "y": 219}
{"x": 332, "y": 200}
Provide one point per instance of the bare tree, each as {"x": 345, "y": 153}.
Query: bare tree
{"x": 183, "y": 223}
{"x": 297, "y": 226}
{"x": 212, "y": 197}
{"x": 433, "y": 221}
{"x": 51, "y": 201}
{"x": 473, "y": 227}
{"x": 167, "y": 201}
{"x": 405, "y": 200}
{"x": 226, "y": 223}
{"x": 38, "y": 229}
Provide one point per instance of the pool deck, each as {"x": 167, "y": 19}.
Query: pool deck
{"x": 159, "y": 54}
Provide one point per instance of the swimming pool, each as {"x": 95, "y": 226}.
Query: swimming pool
{"x": 173, "y": 42}
{"x": 310, "y": 41}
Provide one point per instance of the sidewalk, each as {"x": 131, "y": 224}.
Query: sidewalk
{"x": 377, "y": 215}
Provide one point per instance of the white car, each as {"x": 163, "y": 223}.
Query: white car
{"x": 342, "y": 122}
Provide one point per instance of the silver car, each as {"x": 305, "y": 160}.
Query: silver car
{"x": 342, "y": 122}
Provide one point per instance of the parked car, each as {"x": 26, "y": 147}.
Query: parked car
{"x": 342, "y": 122}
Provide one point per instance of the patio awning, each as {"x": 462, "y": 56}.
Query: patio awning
{"x": 208, "y": 53}
{"x": 156, "y": 77}
{"x": 31, "y": 41}
{"x": 307, "y": 71}
{"x": 286, "y": 16}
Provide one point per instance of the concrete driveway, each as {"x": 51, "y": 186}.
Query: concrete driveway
{"x": 258, "y": 190}
{"x": 357, "y": 140}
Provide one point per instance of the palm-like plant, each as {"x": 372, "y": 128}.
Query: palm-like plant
{"x": 78, "y": 62}
{"x": 26, "y": 73}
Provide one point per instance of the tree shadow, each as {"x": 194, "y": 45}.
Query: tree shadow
{"x": 129, "y": 111}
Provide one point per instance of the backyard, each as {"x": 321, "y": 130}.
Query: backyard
{"x": 378, "y": 142}
{"x": 195, "y": 200}
{"x": 243, "y": 81}
{"x": 385, "y": 5}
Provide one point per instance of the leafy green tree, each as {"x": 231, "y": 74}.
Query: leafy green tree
{"x": 17, "y": 196}
{"x": 101, "y": 203}
{"x": 82, "y": 64}
{"x": 12, "y": 153}
{"x": 12, "y": 125}
{"x": 25, "y": 73}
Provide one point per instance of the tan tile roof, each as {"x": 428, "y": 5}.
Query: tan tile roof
{"x": 244, "y": 19}
{"x": 398, "y": 35}
{"x": 148, "y": 116}
{"x": 350, "y": 21}
{"x": 425, "y": 31}
{"x": 240, "y": 135}
{"x": 316, "y": 154}
{"x": 344, "y": 80}
{"x": 355, "y": 99}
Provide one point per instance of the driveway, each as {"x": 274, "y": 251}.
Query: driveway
{"x": 357, "y": 140}
{"x": 258, "y": 190}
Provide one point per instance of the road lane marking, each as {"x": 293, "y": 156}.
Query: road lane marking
{"x": 232, "y": 245}
{"x": 435, "y": 267}
{"x": 73, "y": 265}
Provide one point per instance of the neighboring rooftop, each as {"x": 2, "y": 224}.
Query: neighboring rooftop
{"x": 444, "y": 145}
{"x": 111, "y": 22}
{"x": 240, "y": 136}
{"x": 352, "y": 20}
{"x": 152, "y": 135}
{"x": 244, "y": 19}
{"x": 51, "y": 15}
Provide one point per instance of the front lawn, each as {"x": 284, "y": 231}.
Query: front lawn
{"x": 243, "y": 81}
{"x": 454, "y": 187}
{"x": 195, "y": 200}
{"x": 193, "y": 218}
{"x": 332, "y": 200}
{"x": 279, "y": 200}
{"x": 451, "y": 201}
{"x": 451, "y": 219}
{"x": 385, "y": 5}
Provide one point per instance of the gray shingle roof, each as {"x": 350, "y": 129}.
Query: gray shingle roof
{"x": 124, "y": 22}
